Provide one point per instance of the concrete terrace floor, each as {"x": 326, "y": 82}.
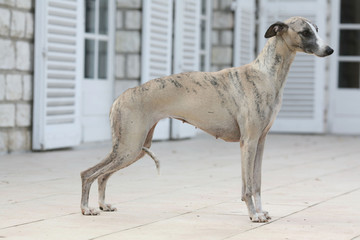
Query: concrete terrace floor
{"x": 311, "y": 188}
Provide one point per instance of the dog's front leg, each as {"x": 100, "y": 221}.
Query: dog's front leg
{"x": 102, "y": 180}
{"x": 257, "y": 179}
{"x": 248, "y": 154}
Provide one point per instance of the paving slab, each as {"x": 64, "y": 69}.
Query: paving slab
{"x": 311, "y": 187}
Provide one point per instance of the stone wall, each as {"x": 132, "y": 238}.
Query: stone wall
{"x": 222, "y": 35}
{"x": 127, "y": 45}
{"x": 16, "y": 71}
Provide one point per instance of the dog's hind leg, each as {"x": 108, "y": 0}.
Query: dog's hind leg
{"x": 125, "y": 151}
{"x": 102, "y": 180}
{"x": 88, "y": 177}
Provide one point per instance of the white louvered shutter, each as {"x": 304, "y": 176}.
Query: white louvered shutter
{"x": 186, "y": 51}
{"x": 303, "y": 102}
{"x": 157, "y": 49}
{"x": 57, "y": 72}
{"x": 244, "y": 32}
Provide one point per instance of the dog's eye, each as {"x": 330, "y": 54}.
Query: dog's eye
{"x": 306, "y": 33}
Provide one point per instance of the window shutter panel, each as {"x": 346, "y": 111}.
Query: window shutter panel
{"x": 58, "y": 71}
{"x": 157, "y": 49}
{"x": 244, "y": 32}
{"x": 187, "y": 36}
{"x": 186, "y": 52}
{"x": 303, "y": 101}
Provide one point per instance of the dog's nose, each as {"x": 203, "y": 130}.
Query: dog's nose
{"x": 329, "y": 50}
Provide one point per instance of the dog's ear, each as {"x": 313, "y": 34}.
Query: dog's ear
{"x": 278, "y": 27}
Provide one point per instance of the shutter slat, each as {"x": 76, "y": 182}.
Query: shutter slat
{"x": 60, "y": 102}
{"x": 61, "y": 84}
{"x": 55, "y": 41}
{"x": 64, "y": 58}
{"x": 60, "y": 120}
{"x": 59, "y": 74}
{"x": 59, "y": 65}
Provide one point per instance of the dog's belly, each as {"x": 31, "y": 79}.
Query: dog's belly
{"x": 227, "y": 133}
{"x": 220, "y": 126}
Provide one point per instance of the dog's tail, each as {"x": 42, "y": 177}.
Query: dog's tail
{"x": 152, "y": 155}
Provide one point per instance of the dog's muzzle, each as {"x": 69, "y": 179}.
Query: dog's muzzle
{"x": 325, "y": 52}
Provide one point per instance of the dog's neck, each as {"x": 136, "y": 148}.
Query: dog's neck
{"x": 275, "y": 60}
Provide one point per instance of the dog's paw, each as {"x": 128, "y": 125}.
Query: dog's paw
{"x": 259, "y": 218}
{"x": 107, "y": 208}
{"x": 266, "y": 214}
{"x": 89, "y": 211}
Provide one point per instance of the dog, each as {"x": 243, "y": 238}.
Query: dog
{"x": 236, "y": 104}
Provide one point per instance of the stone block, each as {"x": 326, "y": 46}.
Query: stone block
{"x": 215, "y": 68}
{"x": 3, "y": 143}
{"x": 8, "y": 2}
{"x": 18, "y": 24}
{"x": 122, "y": 85}
{"x": 226, "y": 37}
{"x": 29, "y": 25}
{"x": 4, "y": 21}
{"x": 23, "y": 114}
{"x": 19, "y": 140}
{"x": 133, "y": 19}
{"x": 223, "y": 20}
{"x": 119, "y": 19}
{"x": 129, "y": 4}
{"x": 7, "y": 54}
{"x": 13, "y": 87}
{"x": 119, "y": 66}
{"x": 133, "y": 66}
{"x": 215, "y": 4}
{"x": 225, "y": 4}
{"x": 27, "y": 87}
{"x": 128, "y": 41}
{"x": 27, "y": 4}
{"x": 2, "y": 87}
{"x": 215, "y": 37}
{"x": 7, "y": 115}
{"x": 222, "y": 55}
{"x": 23, "y": 55}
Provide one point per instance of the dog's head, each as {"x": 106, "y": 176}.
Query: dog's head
{"x": 301, "y": 35}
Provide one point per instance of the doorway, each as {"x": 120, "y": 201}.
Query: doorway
{"x": 97, "y": 84}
